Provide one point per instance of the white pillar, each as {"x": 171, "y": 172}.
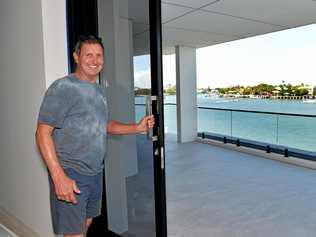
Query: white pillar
{"x": 121, "y": 160}
{"x": 186, "y": 94}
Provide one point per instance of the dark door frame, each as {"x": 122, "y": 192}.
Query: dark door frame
{"x": 157, "y": 90}
{"x": 82, "y": 19}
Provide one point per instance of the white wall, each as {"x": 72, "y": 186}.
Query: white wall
{"x": 24, "y": 69}
{"x": 55, "y": 39}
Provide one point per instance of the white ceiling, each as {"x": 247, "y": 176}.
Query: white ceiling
{"x": 200, "y": 23}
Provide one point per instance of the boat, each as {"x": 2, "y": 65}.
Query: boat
{"x": 309, "y": 101}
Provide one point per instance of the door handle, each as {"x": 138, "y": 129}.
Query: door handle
{"x": 149, "y": 112}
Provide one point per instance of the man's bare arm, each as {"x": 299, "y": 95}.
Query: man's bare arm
{"x": 118, "y": 128}
{"x": 64, "y": 186}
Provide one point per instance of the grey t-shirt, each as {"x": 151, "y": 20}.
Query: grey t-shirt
{"x": 78, "y": 111}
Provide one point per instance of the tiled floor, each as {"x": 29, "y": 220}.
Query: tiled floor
{"x": 212, "y": 191}
{"x": 216, "y": 192}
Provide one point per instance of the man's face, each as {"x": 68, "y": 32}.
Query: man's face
{"x": 90, "y": 60}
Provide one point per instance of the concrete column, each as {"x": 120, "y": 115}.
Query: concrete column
{"x": 186, "y": 94}
{"x": 121, "y": 160}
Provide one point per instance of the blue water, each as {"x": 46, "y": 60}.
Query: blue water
{"x": 290, "y": 131}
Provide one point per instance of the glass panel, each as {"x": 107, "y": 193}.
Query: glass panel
{"x": 140, "y": 107}
{"x": 214, "y": 121}
{"x": 129, "y": 169}
{"x": 253, "y": 126}
{"x": 140, "y": 182}
{"x": 170, "y": 112}
{"x": 170, "y": 118}
{"x": 297, "y": 132}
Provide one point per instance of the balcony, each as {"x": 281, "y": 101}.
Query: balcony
{"x": 225, "y": 190}
{"x": 214, "y": 191}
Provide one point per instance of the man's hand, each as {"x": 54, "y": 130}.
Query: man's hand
{"x": 117, "y": 128}
{"x": 65, "y": 189}
{"x": 146, "y": 123}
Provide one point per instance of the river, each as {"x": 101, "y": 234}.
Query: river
{"x": 291, "y": 131}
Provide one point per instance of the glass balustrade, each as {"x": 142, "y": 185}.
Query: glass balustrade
{"x": 293, "y": 131}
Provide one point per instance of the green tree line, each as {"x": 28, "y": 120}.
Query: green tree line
{"x": 266, "y": 89}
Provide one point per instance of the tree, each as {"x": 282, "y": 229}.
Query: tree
{"x": 170, "y": 91}
{"x": 299, "y": 91}
{"x": 248, "y": 90}
{"x": 143, "y": 91}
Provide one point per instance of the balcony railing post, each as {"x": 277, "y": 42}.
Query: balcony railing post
{"x": 268, "y": 149}
{"x": 231, "y": 124}
{"x": 203, "y": 135}
{"x": 277, "y": 130}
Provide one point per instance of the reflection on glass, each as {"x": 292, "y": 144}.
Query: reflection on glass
{"x": 140, "y": 184}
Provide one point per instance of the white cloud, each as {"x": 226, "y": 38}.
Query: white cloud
{"x": 142, "y": 79}
{"x": 169, "y": 69}
{"x": 221, "y": 67}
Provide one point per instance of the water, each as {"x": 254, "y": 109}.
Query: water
{"x": 290, "y": 131}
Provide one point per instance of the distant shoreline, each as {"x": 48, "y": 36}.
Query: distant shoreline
{"x": 305, "y": 97}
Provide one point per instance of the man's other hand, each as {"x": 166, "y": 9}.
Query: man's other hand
{"x": 65, "y": 189}
{"x": 146, "y": 123}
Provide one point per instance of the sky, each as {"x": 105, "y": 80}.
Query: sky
{"x": 288, "y": 56}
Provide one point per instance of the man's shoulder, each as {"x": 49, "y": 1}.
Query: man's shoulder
{"x": 60, "y": 87}
{"x": 61, "y": 82}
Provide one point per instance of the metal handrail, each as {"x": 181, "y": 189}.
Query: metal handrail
{"x": 248, "y": 111}
{"x": 259, "y": 112}
{"x": 164, "y": 104}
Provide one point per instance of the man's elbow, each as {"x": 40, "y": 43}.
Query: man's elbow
{"x": 42, "y": 131}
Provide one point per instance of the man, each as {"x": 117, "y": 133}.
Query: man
{"x": 71, "y": 136}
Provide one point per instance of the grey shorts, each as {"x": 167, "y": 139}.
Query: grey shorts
{"x": 70, "y": 219}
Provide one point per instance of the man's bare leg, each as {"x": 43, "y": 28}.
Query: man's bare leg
{"x": 88, "y": 223}
{"x": 73, "y": 235}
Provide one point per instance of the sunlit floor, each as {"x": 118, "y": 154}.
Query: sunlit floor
{"x": 212, "y": 191}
